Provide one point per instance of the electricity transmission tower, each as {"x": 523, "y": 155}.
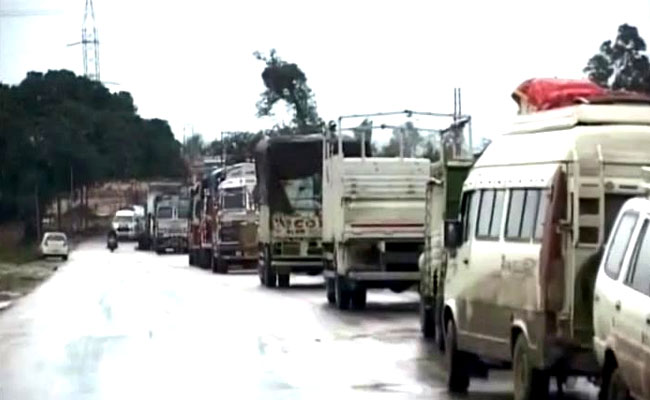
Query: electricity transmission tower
{"x": 89, "y": 43}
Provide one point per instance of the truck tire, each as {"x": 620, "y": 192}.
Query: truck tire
{"x": 283, "y": 280}
{"x": 219, "y": 266}
{"x": 191, "y": 258}
{"x": 342, "y": 293}
{"x": 268, "y": 274}
{"x": 457, "y": 365}
{"x": 358, "y": 298}
{"x": 427, "y": 320}
{"x": 330, "y": 290}
{"x": 529, "y": 382}
{"x": 616, "y": 388}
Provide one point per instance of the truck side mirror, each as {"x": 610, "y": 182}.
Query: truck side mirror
{"x": 453, "y": 234}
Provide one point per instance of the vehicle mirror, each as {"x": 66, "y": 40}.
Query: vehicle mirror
{"x": 453, "y": 234}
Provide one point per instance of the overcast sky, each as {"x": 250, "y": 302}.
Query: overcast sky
{"x": 190, "y": 62}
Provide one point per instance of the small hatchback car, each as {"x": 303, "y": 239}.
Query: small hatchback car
{"x": 55, "y": 244}
{"x": 622, "y": 305}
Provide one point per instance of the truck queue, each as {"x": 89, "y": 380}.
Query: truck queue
{"x": 534, "y": 255}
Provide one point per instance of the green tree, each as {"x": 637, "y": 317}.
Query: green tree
{"x": 287, "y": 82}
{"x": 194, "y": 147}
{"x": 239, "y": 146}
{"x": 364, "y": 130}
{"x": 621, "y": 64}
{"x": 57, "y": 122}
{"x": 410, "y": 138}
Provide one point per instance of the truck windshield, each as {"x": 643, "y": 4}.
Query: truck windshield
{"x": 233, "y": 198}
{"x": 164, "y": 212}
{"x": 123, "y": 219}
{"x": 303, "y": 193}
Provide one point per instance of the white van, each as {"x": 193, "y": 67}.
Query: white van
{"x": 125, "y": 224}
{"x": 524, "y": 253}
{"x": 622, "y": 305}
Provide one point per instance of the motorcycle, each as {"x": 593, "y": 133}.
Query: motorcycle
{"x": 112, "y": 241}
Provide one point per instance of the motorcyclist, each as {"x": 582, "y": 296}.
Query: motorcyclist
{"x": 111, "y": 240}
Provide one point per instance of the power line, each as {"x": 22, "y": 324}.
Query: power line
{"x": 29, "y": 13}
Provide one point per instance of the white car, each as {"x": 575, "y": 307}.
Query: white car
{"x": 55, "y": 244}
{"x": 622, "y": 305}
{"x": 125, "y": 223}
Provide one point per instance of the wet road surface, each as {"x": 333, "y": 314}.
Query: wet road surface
{"x": 134, "y": 325}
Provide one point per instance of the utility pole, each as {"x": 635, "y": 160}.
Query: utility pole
{"x": 58, "y": 212}
{"x": 38, "y": 213}
{"x": 71, "y": 186}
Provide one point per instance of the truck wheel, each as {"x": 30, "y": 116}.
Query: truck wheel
{"x": 331, "y": 290}
{"x": 400, "y": 287}
{"x": 617, "y": 389}
{"x": 268, "y": 273}
{"x": 342, "y": 293}
{"x": 358, "y": 298}
{"x": 191, "y": 258}
{"x": 283, "y": 280}
{"x": 260, "y": 269}
{"x": 530, "y": 383}
{"x": 427, "y": 322}
{"x": 219, "y": 266}
{"x": 457, "y": 365}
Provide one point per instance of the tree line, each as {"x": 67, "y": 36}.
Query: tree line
{"x": 58, "y": 127}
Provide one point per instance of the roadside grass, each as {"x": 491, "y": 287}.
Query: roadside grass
{"x": 20, "y": 273}
{"x": 18, "y": 254}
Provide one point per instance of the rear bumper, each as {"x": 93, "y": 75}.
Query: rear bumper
{"x": 378, "y": 276}
{"x": 176, "y": 242}
{"x": 384, "y": 232}
{"x": 404, "y": 276}
{"x": 297, "y": 264}
{"x": 234, "y": 251}
{"x": 127, "y": 234}
{"x": 53, "y": 253}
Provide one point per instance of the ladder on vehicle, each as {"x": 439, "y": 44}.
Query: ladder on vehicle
{"x": 588, "y": 212}
{"x": 589, "y": 200}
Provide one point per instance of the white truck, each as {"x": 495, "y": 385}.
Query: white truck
{"x": 171, "y": 224}
{"x": 237, "y": 220}
{"x": 373, "y": 221}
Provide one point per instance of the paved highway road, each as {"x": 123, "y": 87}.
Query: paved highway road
{"x": 134, "y": 325}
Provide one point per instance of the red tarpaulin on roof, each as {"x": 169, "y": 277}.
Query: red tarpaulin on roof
{"x": 544, "y": 94}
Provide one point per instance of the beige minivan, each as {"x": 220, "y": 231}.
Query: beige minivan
{"x": 522, "y": 257}
{"x": 622, "y": 305}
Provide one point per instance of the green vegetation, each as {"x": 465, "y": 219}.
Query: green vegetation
{"x": 56, "y": 124}
{"x": 287, "y": 82}
{"x": 19, "y": 254}
{"x": 622, "y": 64}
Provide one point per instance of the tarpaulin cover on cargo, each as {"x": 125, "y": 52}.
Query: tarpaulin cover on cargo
{"x": 290, "y": 157}
{"x": 541, "y": 94}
